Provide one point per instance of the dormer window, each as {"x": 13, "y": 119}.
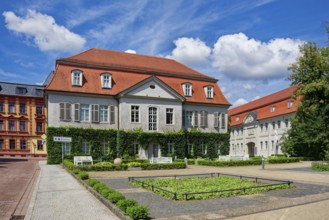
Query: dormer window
{"x": 209, "y": 90}
{"x": 76, "y": 78}
{"x": 187, "y": 88}
{"x": 289, "y": 104}
{"x": 272, "y": 108}
{"x": 21, "y": 91}
{"x": 237, "y": 118}
{"x": 106, "y": 80}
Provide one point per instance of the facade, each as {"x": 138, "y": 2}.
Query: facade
{"x": 23, "y": 120}
{"x": 257, "y": 127}
{"x": 109, "y": 89}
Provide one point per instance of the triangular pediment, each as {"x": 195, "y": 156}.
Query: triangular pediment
{"x": 154, "y": 88}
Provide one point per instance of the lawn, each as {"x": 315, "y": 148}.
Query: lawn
{"x": 206, "y": 184}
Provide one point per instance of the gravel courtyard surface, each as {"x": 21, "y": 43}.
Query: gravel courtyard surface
{"x": 311, "y": 186}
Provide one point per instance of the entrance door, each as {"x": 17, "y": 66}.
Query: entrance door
{"x": 251, "y": 149}
{"x": 153, "y": 151}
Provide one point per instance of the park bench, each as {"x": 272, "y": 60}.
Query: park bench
{"x": 161, "y": 160}
{"x": 79, "y": 160}
{"x": 234, "y": 157}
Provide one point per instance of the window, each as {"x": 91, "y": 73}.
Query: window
{"x": 169, "y": 116}
{"x": 39, "y": 127}
{"x": 261, "y": 127}
{"x": 11, "y": 125}
{"x": 40, "y": 145}
{"x": 39, "y": 92}
{"x": 188, "y": 117}
{"x": 189, "y": 148}
{"x": 204, "y": 119}
{"x": 273, "y": 125}
{"x": 39, "y": 109}
{"x": 289, "y": 105}
{"x": 11, "y": 107}
{"x": 1, "y": 106}
{"x": 23, "y": 144}
{"x": 21, "y": 90}
{"x": 187, "y": 87}
{"x": 286, "y": 121}
{"x": 112, "y": 115}
{"x": 105, "y": 148}
{"x": 266, "y": 126}
{"x": 2, "y": 126}
{"x": 237, "y": 118}
{"x": 84, "y": 112}
{"x": 12, "y": 144}
{"x": 152, "y": 119}
{"x": 65, "y": 111}
{"x": 104, "y": 113}
{"x": 85, "y": 148}
{"x": 265, "y": 145}
{"x": 279, "y": 124}
{"x": 241, "y": 131}
{"x": 22, "y": 108}
{"x": 66, "y": 148}
{"x": 203, "y": 149}
{"x": 106, "y": 80}
{"x": 261, "y": 145}
{"x": 2, "y": 144}
{"x": 209, "y": 92}
{"x": 170, "y": 148}
{"x": 135, "y": 148}
{"x": 223, "y": 122}
{"x": 22, "y": 125}
{"x": 272, "y": 145}
{"x": 76, "y": 78}
{"x": 134, "y": 114}
{"x": 272, "y": 108}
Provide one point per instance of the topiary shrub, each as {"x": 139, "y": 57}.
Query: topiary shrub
{"x": 83, "y": 175}
{"x": 115, "y": 197}
{"x": 99, "y": 186}
{"x": 134, "y": 164}
{"x": 92, "y": 182}
{"x": 163, "y": 166}
{"x": 125, "y": 203}
{"x": 138, "y": 212}
{"x": 106, "y": 191}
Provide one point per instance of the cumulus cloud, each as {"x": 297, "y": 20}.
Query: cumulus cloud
{"x": 256, "y": 97}
{"x": 46, "y": 34}
{"x": 190, "y": 51}
{"x": 131, "y": 51}
{"x": 240, "y": 57}
{"x": 240, "y": 101}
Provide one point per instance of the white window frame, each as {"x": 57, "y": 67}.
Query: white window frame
{"x": 66, "y": 148}
{"x": 272, "y": 108}
{"x": 187, "y": 88}
{"x": 189, "y": 118}
{"x": 135, "y": 114}
{"x": 152, "y": 118}
{"x": 106, "y": 80}
{"x": 209, "y": 91}
{"x": 170, "y": 111}
{"x": 105, "y": 149}
{"x": 103, "y": 114}
{"x": 136, "y": 148}
{"x": 77, "y": 78}
{"x": 85, "y": 148}
{"x": 85, "y": 112}
{"x": 290, "y": 103}
{"x": 171, "y": 148}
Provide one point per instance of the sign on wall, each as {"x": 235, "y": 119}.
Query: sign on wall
{"x": 62, "y": 139}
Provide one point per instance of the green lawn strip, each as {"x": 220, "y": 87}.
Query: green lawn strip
{"x": 195, "y": 184}
{"x": 320, "y": 166}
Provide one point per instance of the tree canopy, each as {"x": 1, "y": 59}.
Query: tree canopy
{"x": 309, "y": 134}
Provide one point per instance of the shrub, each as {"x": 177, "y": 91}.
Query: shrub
{"x": 125, "y": 203}
{"x": 138, "y": 212}
{"x": 92, "y": 182}
{"x": 69, "y": 164}
{"x": 283, "y": 160}
{"x": 76, "y": 171}
{"x": 99, "y": 186}
{"x": 106, "y": 167}
{"x": 189, "y": 161}
{"x": 320, "y": 166}
{"x": 134, "y": 164}
{"x": 105, "y": 163}
{"x": 83, "y": 175}
{"x": 230, "y": 163}
{"x": 115, "y": 197}
{"x": 106, "y": 191}
{"x": 142, "y": 161}
{"x": 163, "y": 166}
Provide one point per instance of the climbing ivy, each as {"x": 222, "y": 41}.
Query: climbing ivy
{"x": 119, "y": 142}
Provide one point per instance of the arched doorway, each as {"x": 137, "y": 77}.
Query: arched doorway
{"x": 251, "y": 149}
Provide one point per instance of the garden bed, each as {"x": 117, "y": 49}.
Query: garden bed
{"x": 206, "y": 186}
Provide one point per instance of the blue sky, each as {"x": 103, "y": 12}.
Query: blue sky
{"x": 247, "y": 45}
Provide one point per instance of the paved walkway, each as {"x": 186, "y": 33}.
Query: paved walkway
{"x": 59, "y": 196}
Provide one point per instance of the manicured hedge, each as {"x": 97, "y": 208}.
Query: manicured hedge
{"x": 189, "y": 161}
{"x": 284, "y": 160}
{"x": 113, "y": 167}
{"x": 163, "y": 166}
{"x": 229, "y": 163}
{"x": 320, "y": 166}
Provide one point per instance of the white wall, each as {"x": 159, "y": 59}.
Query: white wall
{"x": 53, "y": 109}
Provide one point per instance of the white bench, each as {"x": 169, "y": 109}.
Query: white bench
{"x": 161, "y": 160}
{"x": 79, "y": 160}
{"x": 234, "y": 157}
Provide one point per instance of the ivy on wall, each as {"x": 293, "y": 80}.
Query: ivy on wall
{"x": 119, "y": 143}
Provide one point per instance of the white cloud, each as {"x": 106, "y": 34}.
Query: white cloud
{"x": 240, "y": 101}
{"x": 256, "y": 97}
{"x": 226, "y": 93}
{"x": 131, "y": 51}
{"x": 47, "y": 35}
{"x": 8, "y": 74}
{"x": 248, "y": 86}
{"x": 190, "y": 51}
{"x": 237, "y": 56}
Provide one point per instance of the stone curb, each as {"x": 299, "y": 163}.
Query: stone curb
{"x": 118, "y": 212}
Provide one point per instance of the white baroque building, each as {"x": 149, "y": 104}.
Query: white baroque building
{"x": 109, "y": 89}
{"x": 258, "y": 126}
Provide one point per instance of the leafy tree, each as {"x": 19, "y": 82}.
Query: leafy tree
{"x": 309, "y": 135}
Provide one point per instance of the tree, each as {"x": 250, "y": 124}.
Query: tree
{"x": 309, "y": 134}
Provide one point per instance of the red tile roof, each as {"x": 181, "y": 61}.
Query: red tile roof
{"x": 262, "y": 106}
{"x": 127, "y": 70}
